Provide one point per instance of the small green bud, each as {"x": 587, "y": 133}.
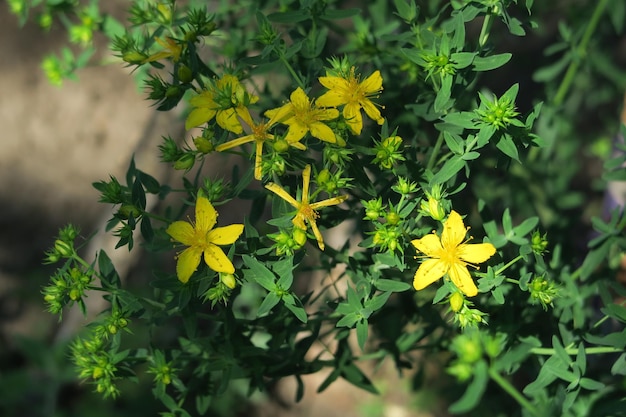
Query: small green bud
{"x": 128, "y": 210}
{"x": 393, "y": 218}
{"x": 75, "y": 294}
{"x": 134, "y": 57}
{"x": 64, "y": 249}
{"x": 185, "y": 74}
{"x": 456, "y": 301}
{"x": 280, "y": 145}
{"x": 172, "y": 91}
{"x": 299, "y": 236}
{"x": 185, "y": 162}
{"x": 228, "y": 280}
{"x": 203, "y": 144}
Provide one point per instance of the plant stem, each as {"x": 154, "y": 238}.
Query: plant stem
{"x": 293, "y": 73}
{"x": 513, "y": 392}
{"x": 579, "y": 51}
{"x": 574, "y": 351}
{"x": 433, "y": 156}
{"x": 484, "y": 31}
{"x": 501, "y": 270}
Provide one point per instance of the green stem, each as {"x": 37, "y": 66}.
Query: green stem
{"x": 579, "y": 51}
{"x": 501, "y": 270}
{"x": 433, "y": 156}
{"x": 513, "y": 392}
{"x": 598, "y": 350}
{"x": 484, "y": 31}
{"x": 293, "y": 73}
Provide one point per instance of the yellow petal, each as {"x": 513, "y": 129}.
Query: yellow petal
{"x": 462, "y": 279}
{"x": 280, "y": 191}
{"x": 217, "y": 260}
{"x": 429, "y": 271}
{"x": 299, "y": 99}
{"x": 373, "y": 83}
{"x": 326, "y": 114}
{"x": 454, "y": 231}
{"x": 280, "y": 114}
{"x": 235, "y": 142}
{"x": 227, "y": 119}
{"x": 322, "y": 132}
{"x": 199, "y": 116}
{"x": 328, "y": 202}
{"x": 204, "y": 99}
{"x": 296, "y": 132}
{"x": 258, "y": 160}
{"x": 332, "y": 98}
{"x": 352, "y": 114}
{"x": 306, "y": 179}
{"x": 317, "y": 233}
{"x": 430, "y": 245}
{"x": 225, "y": 235}
{"x": 206, "y": 216}
{"x": 181, "y": 232}
{"x": 244, "y": 113}
{"x": 334, "y": 83}
{"x": 372, "y": 111}
{"x": 476, "y": 253}
{"x": 188, "y": 262}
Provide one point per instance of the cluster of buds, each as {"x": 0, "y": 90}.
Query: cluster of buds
{"x": 542, "y": 291}
{"x": 94, "y": 363}
{"x": 388, "y": 152}
{"x": 221, "y": 291}
{"x": 330, "y": 182}
{"x": 539, "y": 243}
{"x": 163, "y": 371}
{"x": 464, "y": 315}
{"x": 111, "y": 325}
{"x": 434, "y": 205}
{"x": 499, "y": 112}
{"x": 288, "y": 240}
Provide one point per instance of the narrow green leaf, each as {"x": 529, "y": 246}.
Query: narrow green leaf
{"x": 270, "y": 301}
{"x": 361, "y": 332}
{"x": 449, "y": 169}
{"x": 492, "y": 62}
{"x": 391, "y": 285}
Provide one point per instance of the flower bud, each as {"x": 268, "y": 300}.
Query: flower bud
{"x": 185, "y": 162}
{"x": 184, "y": 73}
{"x": 64, "y": 249}
{"x": 299, "y": 236}
{"x": 134, "y": 57}
{"x": 228, "y": 280}
{"x": 203, "y": 144}
{"x": 280, "y": 145}
{"x": 456, "y": 301}
{"x": 392, "y": 218}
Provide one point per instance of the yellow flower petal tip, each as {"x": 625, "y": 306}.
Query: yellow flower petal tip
{"x": 202, "y": 238}
{"x": 451, "y": 255}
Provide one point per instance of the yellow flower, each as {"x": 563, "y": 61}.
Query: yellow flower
{"x": 260, "y": 134}
{"x": 306, "y": 212}
{"x": 220, "y": 101}
{"x": 354, "y": 95}
{"x": 170, "y": 49}
{"x": 450, "y": 255}
{"x": 305, "y": 117}
{"x": 202, "y": 238}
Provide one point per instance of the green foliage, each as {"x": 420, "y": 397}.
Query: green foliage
{"x": 392, "y": 119}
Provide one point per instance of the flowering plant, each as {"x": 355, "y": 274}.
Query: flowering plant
{"x": 368, "y": 139}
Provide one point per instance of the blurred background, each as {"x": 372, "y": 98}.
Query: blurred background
{"x": 56, "y": 141}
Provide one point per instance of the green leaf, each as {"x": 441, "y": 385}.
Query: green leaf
{"x": 442, "y": 101}
{"x": 259, "y": 273}
{"x": 361, "y": 332}
{"x": 391, "y": 285}
{"x": 406, "y": 9}
{"x": 297, "y": 311}
{"x": 619, "y": 367}
{"x": 474, "y": 392}
{"x": 590, "y": 384}
{"x": 270, "y": 301}
{"x": 377, "y": 302}
{"x": 448, "y": 170}
{"x": 464, "y": 119}
{"x": 288, "y": 17}
{"x": 492, "y": 62}
{"x": 526, "y": 226}
{"x": 507, "y": 146}
{"x": 348, "y": 320}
